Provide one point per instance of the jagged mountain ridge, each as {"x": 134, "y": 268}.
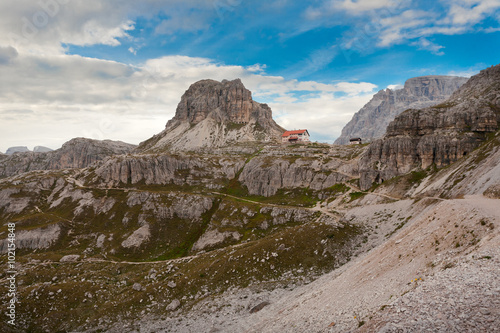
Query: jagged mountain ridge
{"x": 437, "y": 135}
{"x": 371, "y": 121}
{"x": 24, "y": 149}
{"x": 215, "y": 230}
{"x": 215, "y": 114}
{"x": 76, "y": 153}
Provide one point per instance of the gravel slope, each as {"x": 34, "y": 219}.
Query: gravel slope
{"x": 445, "y": 248}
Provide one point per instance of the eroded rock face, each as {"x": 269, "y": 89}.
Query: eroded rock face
{"x": 230, "y": 97}
{"x": 165, "y": 169}
{"x": 213, "y": 114}
{"x": 39, "y": 238}
{"x": 76, "y": 153}
{"x": 262, "y": 175}
{"x": 266, "y": 175}
{"x": 138, "y": 237}
{"x": 437, "y": 135}
{"x": 371, "y": 121}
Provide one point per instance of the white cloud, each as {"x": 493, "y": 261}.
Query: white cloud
{"x": 70, "y": 96}
{"x": 468, "y": 72}
{"x": 355, "y": 8}
{"x": 401, "y": 27}
{"x": 324, "y": 116}
{"x": 316, "y": 61}
{"x": 384, "y": 23}
{"x": 470, "y": 12}
{"x": 365, "y": 5}
{"x": 257, "y": 68}
{"x": 45, "y": 26}
{"x": 395, "y": 86}
{"x": 425, "y": 44}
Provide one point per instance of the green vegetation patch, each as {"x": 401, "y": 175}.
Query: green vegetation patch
{"x": 60, "y": 297}
{"x": 234, "y": 126}
{"x": 356, "y": 195}
{"x": 336, "y": 189}
{"x": 415, "y": 177}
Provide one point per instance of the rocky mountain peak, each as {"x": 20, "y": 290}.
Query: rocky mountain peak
{"x": 215, "y": 114}
{"x": 433, "y": 87}
{"x": 41, "y": 149}
{"x": 230, "y": 98}
{"x": 371, "y": 121}
{"x": 436, "y": 135}
{"x": 17, "y": 149}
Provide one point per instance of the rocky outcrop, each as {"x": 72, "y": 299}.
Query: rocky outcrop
{"x": 41, "y": 149}
{"x": 138, "y": 237}
{"x": 76, "y": 153}
{"x": 17, "y": 149}
{"x": 371, "y": 121}
{"x": 230, "y": 97}
{"x": 164, "y": 169}
{"x": 436, "y": 135}
{"x": 266, "y": 175}
{"x": 215, "y": 114}
{"x": 39, "y": 238}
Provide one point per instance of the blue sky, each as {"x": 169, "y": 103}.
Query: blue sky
{"x": 117, "y": 69}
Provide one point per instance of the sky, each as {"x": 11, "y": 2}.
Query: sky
{"x": 116, "y": 69}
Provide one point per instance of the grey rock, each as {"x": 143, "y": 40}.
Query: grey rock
{"x": 173, "y": 305}
{"x": 214, "y": 114}
{"x": 39, "y": 238}
{"x": 165, "y": 169}
{"x": 265, "y": 176}
{"x": 17, "y": 149}
{"x": 70, "y": 258}
{"x": 371, "y": 121}
{"x": 437, "y": 135}
{"x": 137, "y": 286}
{"x": 76, "y": 153}
{"x": 259, "y": 307}
{"x": 100, "y": 240}
{"x": 137, "y": 238}
{"x": 42, "y": 149}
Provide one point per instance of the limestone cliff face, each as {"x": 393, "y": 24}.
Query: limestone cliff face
{"x": 267, "y": 172}
{"x": 266, "y": 175}
{"x": 165, "y": 169}
{"x": 230, "y": 97}
{"x": 436, "y": 135}
{"x": 372, "y": 120}
{"x": 214, "y": 114}
{"x": 76, "y": 153}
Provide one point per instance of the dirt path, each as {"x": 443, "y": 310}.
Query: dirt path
{"x": 356, "y": 189}
{"x": 316, "y": 208}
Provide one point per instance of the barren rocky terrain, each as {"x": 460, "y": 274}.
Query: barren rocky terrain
{"x": 249, "y": 235}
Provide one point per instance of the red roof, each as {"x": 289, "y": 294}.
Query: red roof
{"x": 288, "y": 133}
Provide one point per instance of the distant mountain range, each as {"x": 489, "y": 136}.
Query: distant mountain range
{"x": 76, "y": 153}
{"x": 24, "y": 149}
